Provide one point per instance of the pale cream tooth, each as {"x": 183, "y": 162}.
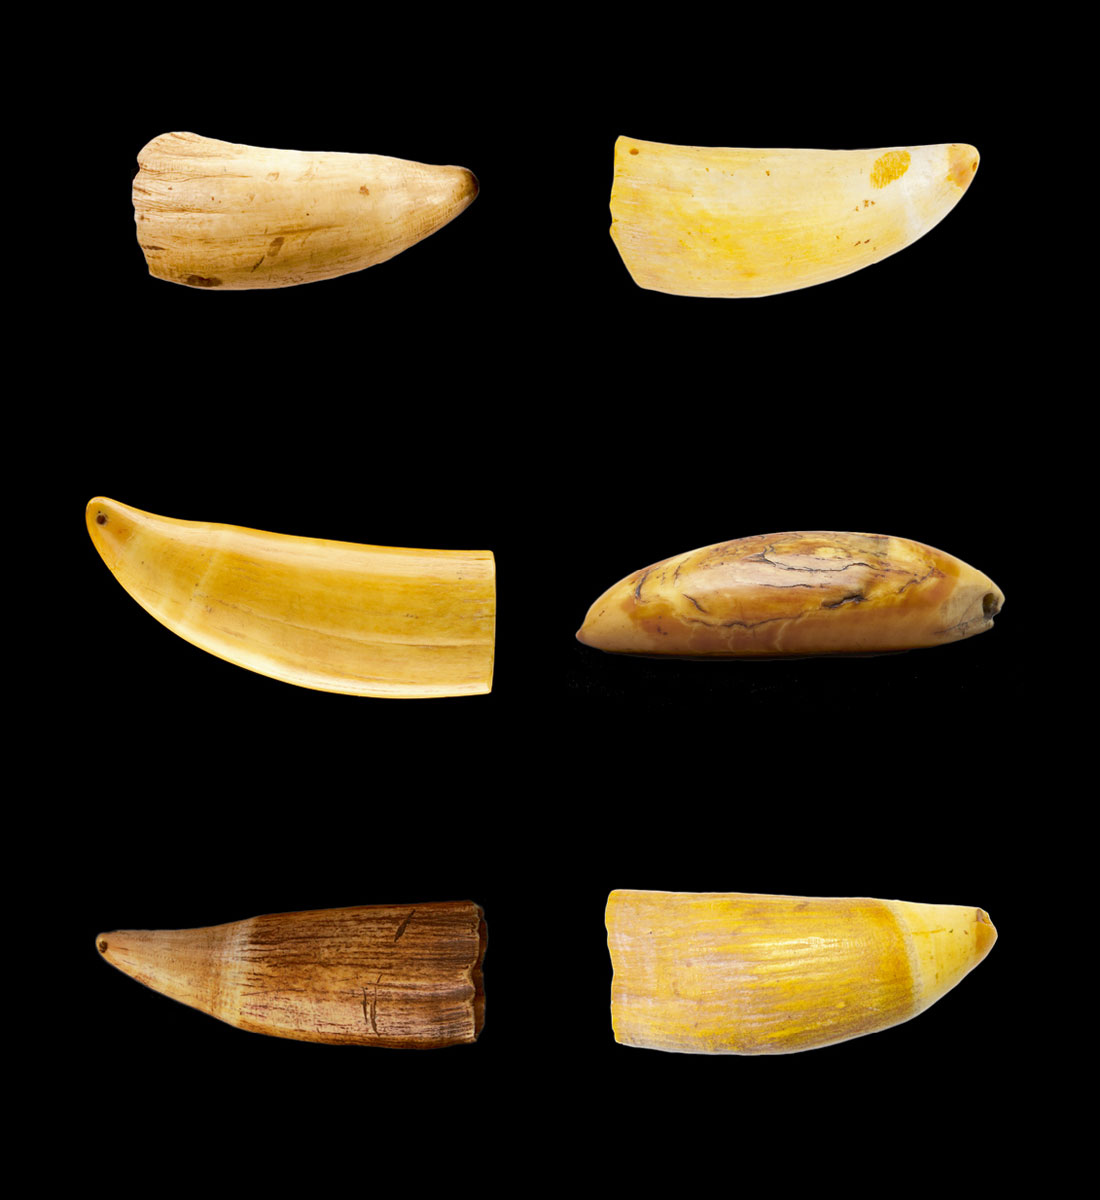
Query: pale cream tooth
{"x": 223, "y": 216}
{"x": 700, "y": 221}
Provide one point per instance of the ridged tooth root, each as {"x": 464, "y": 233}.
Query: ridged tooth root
{"x": 699, "y": 221}
{"x": 796, "y": 593}
{"x": 335, "y": 616}
{"x": 379, "y": 975}
{"x": 223, "y": 216}
{"x": 736, "y": 973}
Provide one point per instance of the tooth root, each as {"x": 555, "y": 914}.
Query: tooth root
{"x": 380, "y": 975}
{"x": 221, "y": 216}
{"x": 735, "y": 973}
{"x": 335, "y": 616}
{"x": 697, "y": 221}
{"x": 797, "y": 594}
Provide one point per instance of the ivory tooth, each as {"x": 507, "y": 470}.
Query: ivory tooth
{"x": 219, "y": 215}
{"x": 736, "y": 973}
{"x": 335, "y": 616}
{"x": 377, "y": 975}
{"x": 794, "y": 593}
{"x": 699, "y": 221}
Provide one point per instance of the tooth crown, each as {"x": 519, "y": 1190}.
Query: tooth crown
{"x": 218, "y": 215}
{"x": 794, "y": 593}
{"x": 700, "y": 221}
{"x": 335, "y": 616}
{"x": 736, "y": 973}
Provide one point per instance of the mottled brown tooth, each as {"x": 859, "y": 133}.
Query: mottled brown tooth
{"x": 800, "y": 593}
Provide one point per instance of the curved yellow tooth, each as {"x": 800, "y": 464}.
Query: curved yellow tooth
{"x": 218, "y": 215}
{"x": 736, "y": 973}
{"x": 697, "y": 221}
{"x": 794, "y": 593}
{"x": 335, "y": 616}
{"x": 377, "y": 975}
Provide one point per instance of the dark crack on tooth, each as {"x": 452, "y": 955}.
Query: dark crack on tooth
{"x": 855, "y": 598}
{"x": 638, "y": 590}
{"x": 694, "y": 601}
{"x": 763, "y": 557}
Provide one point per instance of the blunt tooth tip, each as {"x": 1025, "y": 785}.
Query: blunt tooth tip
{"x": 962, "y": 164}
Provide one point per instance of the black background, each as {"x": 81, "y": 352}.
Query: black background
{"x": 505, "y": 385}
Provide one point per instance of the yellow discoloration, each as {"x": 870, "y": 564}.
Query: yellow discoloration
{"x": 335, "y": 616}
{"x": 736, "y": 973}
{"x": 739, "y": 222}
{"x": 888, "y": 167}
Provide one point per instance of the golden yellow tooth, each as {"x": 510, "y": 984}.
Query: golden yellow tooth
{"x": 335, "y": 616}
{"x": 736, "y": 973}
{"x": 794, "y": 593}
{"x": 378, "y": 975}
{"x": 218, "y": 215}
{"x": 699, "y": 221}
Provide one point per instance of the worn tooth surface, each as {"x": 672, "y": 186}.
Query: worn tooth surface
{"x": 376, "y": 975}
{"x": 738, "y": 973}
{"x": 796, "y": 594}
{"x": 703, "y": 221}
{"x": 364, "y": 620}
{"x": 223, "y": 216}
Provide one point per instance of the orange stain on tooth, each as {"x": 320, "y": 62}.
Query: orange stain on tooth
{"x": 888, "y": 167}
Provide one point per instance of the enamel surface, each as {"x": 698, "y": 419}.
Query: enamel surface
{"x": 335, "y": 616}
{"x": 737, "y": 973}
{"x": 794, "y": 593}
{"x": 223, "y": 216}
{"x": 378, "y": 975}
{"x": 698, "y": 221}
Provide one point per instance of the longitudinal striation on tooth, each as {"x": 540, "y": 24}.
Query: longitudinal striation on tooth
{"x": 703, "y": 221}
{"x": 223, "y": 216}
{"x": 795, "y": 594}
{"x": 403, "y": 976}
{"x": 363, "y": 620}
{"x": 740, "y": 973}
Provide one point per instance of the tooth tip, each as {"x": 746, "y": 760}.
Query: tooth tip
{"x": 962, "y": 163}
{"x": 986, "y": 933}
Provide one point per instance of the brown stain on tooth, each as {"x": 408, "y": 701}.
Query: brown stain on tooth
{"x": 962, "y": 164}
{"x": 799, "y": 593}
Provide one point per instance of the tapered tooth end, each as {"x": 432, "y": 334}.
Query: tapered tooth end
{"x": 470, "y": 185}
{"x": 108, "y": 526}
{"x": 464, "y": 187}
{"x": 176, "y": 962}
{"x": 985, "y": 934}
{"x": 962, "y": 164}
